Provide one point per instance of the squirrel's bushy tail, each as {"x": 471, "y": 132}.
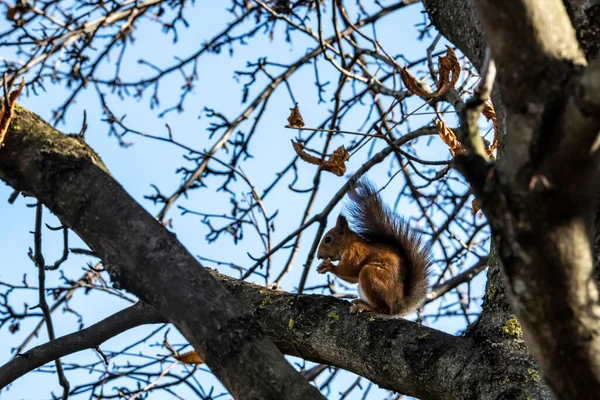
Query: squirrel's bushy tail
{"x": 375, "y": 222}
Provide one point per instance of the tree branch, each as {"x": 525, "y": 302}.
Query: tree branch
{"x": 321, "y": 329}
{"x": 69, "y": 178}
{"x": 438, "y": 291}
{"x": 88, "y": 338}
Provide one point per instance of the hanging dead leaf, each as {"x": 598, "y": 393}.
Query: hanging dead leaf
{"x": 14, "y": 327}
{"x": 489, "y": 113}
{"x": 449, "y": 71}
{"x": 12, "y": 13}
{"x": 295, "y": 119}
{"x": 475, "y": 207}
{"x": 189, "y": 358}
{"x": 414, "y": 85}
{"x": 6, "y": 111}
{"x": 448, "y": 137}
{"x": 299, "y": 149}
{"x": 335, "y": 162}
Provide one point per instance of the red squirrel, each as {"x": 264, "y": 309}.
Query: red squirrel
{"x": 383, "y": 254}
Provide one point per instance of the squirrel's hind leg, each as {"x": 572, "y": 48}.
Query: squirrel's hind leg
{"x": 378, "y": 289}
{"x": 358, "y": 306}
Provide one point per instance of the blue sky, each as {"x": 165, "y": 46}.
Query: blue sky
{"x": 148, "y": 162}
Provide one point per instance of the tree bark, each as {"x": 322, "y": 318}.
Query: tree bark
{"x": 585, "y": 17}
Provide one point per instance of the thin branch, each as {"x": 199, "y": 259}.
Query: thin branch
{"x": 441, "y": 289}
{"x": 38, "y": 259}
{"x": 88, "y": 338}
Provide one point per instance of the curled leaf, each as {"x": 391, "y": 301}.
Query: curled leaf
{"x": 189, "y": 358}
{"x": 335, "y": 162}
{"x": 414, "y": 85}
{"x": 299, "y": 149}
{"x": 12, "y": 13}
{"x": 448, "y": 137}
{"x": 449, "y": 70}
{"x": 475, "y": 207}
{"x": 14, "y": 327}
{"x": 295, "y": 119}
{"x": 6, "y": 112}
{"x": 489, "y": 113}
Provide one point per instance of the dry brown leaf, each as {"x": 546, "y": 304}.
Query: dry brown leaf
{"x": 449, "y": 70}
{"x": 335, "y": 163}
{"x": 11, "y": 13}
{"x": 489, "y": 114}
{"x": 189, "y": 358}
{"x": 476, "y": 211}
{"x": 295, "y": 119}
{"x": 6, "y": 112}
{"x": 448, "y": 137}
{"x": 299, "y": 149}
{"x": 475, "y": 206}
{"x": 413, "y": 84}
{"x": 14, "y": 327}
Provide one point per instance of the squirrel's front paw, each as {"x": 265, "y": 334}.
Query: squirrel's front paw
{"x": 325, "y": 266}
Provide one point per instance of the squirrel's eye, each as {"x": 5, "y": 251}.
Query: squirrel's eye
{"x": 328, "y": 239}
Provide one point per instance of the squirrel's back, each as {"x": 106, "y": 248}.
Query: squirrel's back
{"x": 375, "y": 222}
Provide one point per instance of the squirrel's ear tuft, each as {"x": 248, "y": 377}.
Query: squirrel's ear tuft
{"x": 341, "y": 224}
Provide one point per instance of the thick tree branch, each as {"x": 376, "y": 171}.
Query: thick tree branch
{"x": 475, "y": 162}
{"x": 146, "y": 259}
{"x": 321, "y": 329}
